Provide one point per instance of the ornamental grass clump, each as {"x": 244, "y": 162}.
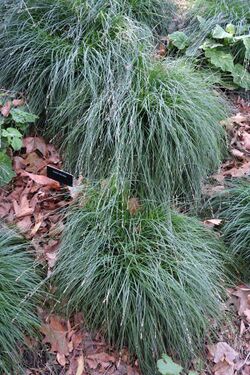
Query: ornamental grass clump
{"x": 157, "y": 125}
{"x": 145, "y": 276}
{"x": 49, "y": 48}
{"x": 233, "y": 207}
{"x": 18, "y": 284}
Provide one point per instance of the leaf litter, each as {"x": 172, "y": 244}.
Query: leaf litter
{"x": 35, "y": 204}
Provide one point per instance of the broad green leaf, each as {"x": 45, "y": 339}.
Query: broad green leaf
{"x": 220, "y": 59}
{"x": 22, "y": 117}
{"x": 220, "y": 33}
{"x": 241, "y": 76}
{"x": 193, "y": 373}
{"x": 6, "y": 171}
{"x": 166, "y": 366}
{"x": 210, "y": 44}
{"x": 230, "y": 28}
{"x": 11, "y": 133}
{"x": 179, "y": 39}
{"x": 16, "y": 143}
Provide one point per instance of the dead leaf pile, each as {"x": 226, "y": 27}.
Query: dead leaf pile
{"x": 81, "y": 354}
{"x": 231, "y": 355}
{"x": 34, "y": 202}
{"x": 238, "y": 165}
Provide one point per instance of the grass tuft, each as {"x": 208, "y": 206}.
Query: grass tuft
{"x": 148, "y": 278}
{"x": 156, "y": 125}
{"x": 233, "y": 207}
{"x": 18, "y": 283}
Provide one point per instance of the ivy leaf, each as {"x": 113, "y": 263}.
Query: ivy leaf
{"x": 179, "y": 39}
{"x": 220, "y": 59}
{"x": 230, "y": 28}
{"x": 6, "y": 171}
{"x": 22, "y": 117}
{"x": 241, "y": 76}
{"x": 220, "y": 33}
{"x": 166, "y": 366}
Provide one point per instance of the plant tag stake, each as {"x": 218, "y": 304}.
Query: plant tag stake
{"x": 63, "y": 177}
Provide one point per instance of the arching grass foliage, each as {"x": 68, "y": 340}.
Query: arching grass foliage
{"x": 157, "y": 124}
{"x": 233, "y": 207}
{"x": 148, "y": 278}
{"x": 18, "y": 283}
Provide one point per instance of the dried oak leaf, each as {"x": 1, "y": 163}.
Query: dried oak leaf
{"x": 5, "y": 110}
{"x": 222, "y": 352}
{"x": 243, "y": 294}
{"x": 55, "y": 333}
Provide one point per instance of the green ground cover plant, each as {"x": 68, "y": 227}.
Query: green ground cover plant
{"x": 147, "y": 277}
{"x": 18, "y": 283}
{"x": 205, "y": 16}
{"x": 233, "y": 207}
{"x": 15, "y": 119}
{"x": 224, "y": 50}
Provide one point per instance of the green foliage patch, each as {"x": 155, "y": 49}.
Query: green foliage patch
{"x": 148, "y": 278}
{"x": 223, "y": 49}
{"x": 14, "y": 121}
{"x": 18, "y": 283}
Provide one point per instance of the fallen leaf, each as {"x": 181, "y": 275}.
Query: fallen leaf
{"x": 223, "y": 368}
{"x": 5, "y": 110}
{"x": 211, "y": 223}
{"x": 133, "y": 205}
{"x": 23, "y": 207}
{"x": 80, "y": 366}
{"x": 18, "y": 102}
{"x": 243, "y": 295}
{"x": 42, "y": 180}
{"x": 55, "y": 334}
{"x": 222, "y": 352}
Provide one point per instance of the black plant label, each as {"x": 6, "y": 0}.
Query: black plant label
{"x": 63, "y": 177}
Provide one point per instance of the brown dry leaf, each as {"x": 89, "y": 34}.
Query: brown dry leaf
{"x": 22, "y": 208}
{"x": 221, "y": 352}
{"x": 100, "y": 359}
{"x": 18, "y": 102}
{"x": 61, "y": 359}
{"x": 243, "y": 294}
{"x": 223, "y": 368}
{"x": 42, "y": 180}
{"x": 133, "y": 205}
{"x": 80, "y": 365}
{"x": 56, "y": 335}
{"x": 240, "y": 118}
{"x": 35, "y": 143}
{"x": 5, "y": 110}
{"x": 211, "y": 223}
{"x": 237, "y": 153}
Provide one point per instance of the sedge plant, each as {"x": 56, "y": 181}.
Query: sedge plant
{"x": 49, "y": 47}
{"x": 19, "y": 281}
{"x": 232, "y": 206}
{"x": 157, "y": 125}
{"x": 144, "y": 276}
